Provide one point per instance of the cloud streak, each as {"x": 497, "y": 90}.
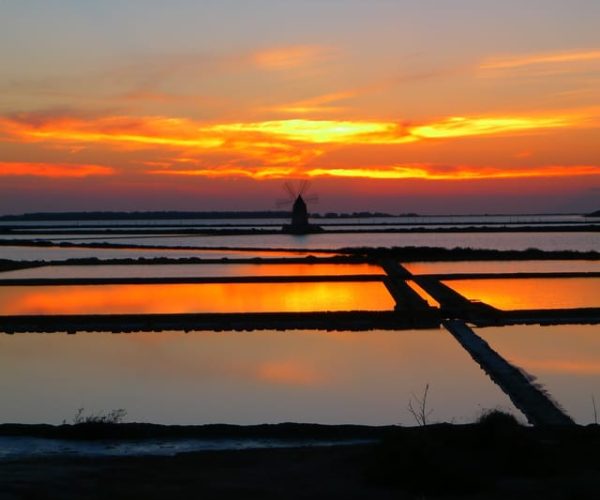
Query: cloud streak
{"x": 435, "y": 172}
{"x": 511, "y": 62}
{"x": 274, "y": 149}
{"x": 53, "y": 170}
{"x": 396, "y": 172}
{"x": 257, "y": 173}
{"x": 319, "y": 104}
{"x": 179, "y": 133}
{"x": 285, "y": 58}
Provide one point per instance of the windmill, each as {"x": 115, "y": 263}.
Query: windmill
{"x": 297, "y": 197}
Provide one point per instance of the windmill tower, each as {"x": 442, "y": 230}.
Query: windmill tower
{"x": 298, "y": 197}
{"x": 299, "y": 212}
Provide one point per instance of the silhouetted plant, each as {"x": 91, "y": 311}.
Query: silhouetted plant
{"x": 595, "y": 410}
{"x": 111, "y": 417}
{"x": 417, "y": 406}
{"x": 497, "y": 418}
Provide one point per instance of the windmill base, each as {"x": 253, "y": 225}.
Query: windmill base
{"x": 301, "y": 229}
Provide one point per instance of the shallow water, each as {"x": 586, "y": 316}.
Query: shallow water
{"x": 55, "y": 253}
{"x": 508, "y": 266}
{"x": 565, "y": 359}
{"x": 423, "y": 293}
{"x": 195, "y": 298}
{"x": 403, "y": 219}
{"x": 20, "y": 447}
{"x": 536, "y": 293}
{"x": 191, "y": 270}
{"x": 64, "y": 231}
{"x": 242, "y": 378}
{"x": 582, "y": 241}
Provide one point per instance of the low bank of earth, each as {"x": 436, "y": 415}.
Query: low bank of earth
{"x": 497, "y": 458}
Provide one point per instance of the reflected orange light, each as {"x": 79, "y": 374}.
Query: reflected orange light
{"x": 503, "y": 266}
{"x": 549, "y": 293}
{"x": 565, "y": 366}
{"x": 303, "y": 269}
{"x": 185, "y": 298}
{"x": 263, "y": 377}
{"x": 291, "y": 372}
{"x": 59, "y": 170}
{"x": 199, "y": 270}
{"x": 423, "y": 294}
{"x": 565, "y": 359}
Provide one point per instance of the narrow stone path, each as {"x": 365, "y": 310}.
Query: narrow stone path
{"x": 531, "y": 400}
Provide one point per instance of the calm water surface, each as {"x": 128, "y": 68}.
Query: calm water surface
{"x": 75, "y": 231}
{"x": 565, "y": 359}
{"x": 423, "y": 293}
{"x": 583, "y": 241}
{"x": 546, "y": 293}
{"x": 419, "y": 219}
{"x": 55, "y": 253}
{"x": 192, "y": 298}
{"x": 242, "y": 378}
{"x": 515, "y": 266}
{"x": 189, "y": 270}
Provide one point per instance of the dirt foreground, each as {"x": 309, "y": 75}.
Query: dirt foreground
{"x": 496, "y": 459}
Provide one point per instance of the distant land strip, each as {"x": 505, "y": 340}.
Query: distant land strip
{"x": 342, "y": 255}
{"x": 233, "y": 214}
{"x": 355, "y": 321}
{"x": 179, "y": 228}
{"x": 215, "y": 322}
{"x": 149, "y": 233}
{"x": 178, "y": 215}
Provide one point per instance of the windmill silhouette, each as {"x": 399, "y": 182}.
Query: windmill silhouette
{"x": 298, "y": 196}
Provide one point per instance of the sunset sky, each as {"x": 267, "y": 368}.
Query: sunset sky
{"x": 435, "y": 106}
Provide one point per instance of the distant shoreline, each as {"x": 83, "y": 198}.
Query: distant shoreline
{"x": 227, "y": 214}
{"x": 179, "y": 215}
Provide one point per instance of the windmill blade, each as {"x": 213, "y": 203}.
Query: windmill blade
{"x": 304, "y": 187}
{"x": 294, "y": 189}
{"x": 290, "y": 189}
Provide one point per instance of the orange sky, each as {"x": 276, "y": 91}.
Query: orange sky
{"x": 154, "y": 111}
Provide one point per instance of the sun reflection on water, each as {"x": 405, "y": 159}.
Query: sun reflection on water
{"x": 547, "y": 293}
{"x": 194, "y": 298}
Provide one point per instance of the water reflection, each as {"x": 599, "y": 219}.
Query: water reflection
{"x": 514, "y": 266}
{"x": 582, "y": 241}
{"x": 547, "y": 293}
{"x": 564, "y": 358}
{"x": 29, "y": 253}
{"x": 423, "y": 293}
{"x": 241, "y": 378}
{"x": 186, "y": 298}
{"x": 186, "y": 270}
{"x": 399, "y": 219}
